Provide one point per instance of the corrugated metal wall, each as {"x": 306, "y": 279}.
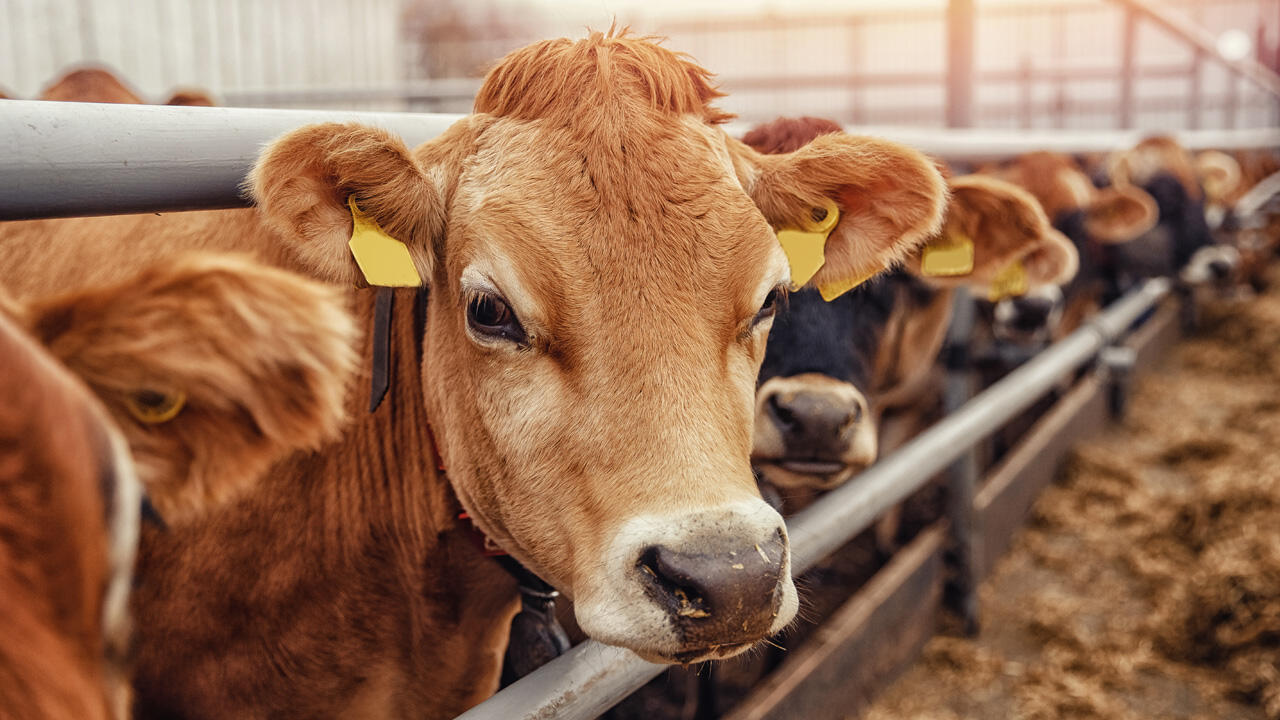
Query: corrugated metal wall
{"x": 225, "y": 46}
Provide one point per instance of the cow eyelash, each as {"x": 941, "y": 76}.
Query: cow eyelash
{"x": 490, "y": 317}
{"x": 777, "y": 296}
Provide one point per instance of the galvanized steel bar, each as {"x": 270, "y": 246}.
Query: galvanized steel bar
{"x": 592, "y": 677}
{"x": 63, "y": 159}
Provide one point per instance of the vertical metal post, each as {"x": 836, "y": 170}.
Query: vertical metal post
{"x": 1197, "y": 93}
{"x": 962, "y": 475}
{"x": 1129, "y": 41}
{"x": 1026, "y": 93}
{"x": 1232, "y": 100}
{"x": 856, "y": 116}
{"x": 960, "y": 31}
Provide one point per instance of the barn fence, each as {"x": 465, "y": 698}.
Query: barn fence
{"x": 71, "y": 159}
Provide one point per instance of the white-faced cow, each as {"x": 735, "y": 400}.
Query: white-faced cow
{"x": 598, "y": 267}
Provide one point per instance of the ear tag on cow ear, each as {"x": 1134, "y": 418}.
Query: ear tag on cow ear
{"x": 1009, "y": 282}
{"x": 947, "y": 256}
{"x": 832, "y": 290}
{"x": 384, "y": 260}
{"x": 805, "y": 248}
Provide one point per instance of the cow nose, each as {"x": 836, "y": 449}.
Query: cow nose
{"x": 1032, "y": 313}
{"x": 717, "y": 597}
{"x": 1220, "y": 269}
{"x": 812, "y": 422}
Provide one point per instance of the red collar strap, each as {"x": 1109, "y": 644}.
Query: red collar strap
{"x": 482, "y": 541}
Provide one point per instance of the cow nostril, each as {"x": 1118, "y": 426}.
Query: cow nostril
{"x": 783, "y": 416}
{"x": 671, "y": 586}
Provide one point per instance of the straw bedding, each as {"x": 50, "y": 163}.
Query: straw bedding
{"x": 1147, "y": 584}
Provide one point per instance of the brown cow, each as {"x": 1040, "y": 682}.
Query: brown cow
{"x": 602, "y": 273}
{"x": 68, "y": 528}
{"x": 190, "y": 97}
{"x": 90, "y": 84}
{"x": 213, "y": 366}
{"x": 1091, "y": 218}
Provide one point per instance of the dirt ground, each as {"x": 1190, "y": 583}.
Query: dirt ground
{"x": 1147, "y": 584}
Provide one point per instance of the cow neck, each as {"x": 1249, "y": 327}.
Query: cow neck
{"x": 536, "y": 636}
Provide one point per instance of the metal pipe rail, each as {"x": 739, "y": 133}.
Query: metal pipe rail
{"x": 593, "y": 677}
{"x": 65, "y": 159}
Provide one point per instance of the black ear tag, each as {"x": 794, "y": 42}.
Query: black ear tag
{"x": 381, "y": 378}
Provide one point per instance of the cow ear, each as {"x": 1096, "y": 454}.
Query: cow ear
{"x": 889, "y": 197}
{"x": 215, "y": 366}
{"x": 305, "y": 184}
{"x": 1219, "y": 175}
{"x": 991, "y": 225}
{"x": 1120, "y": 213}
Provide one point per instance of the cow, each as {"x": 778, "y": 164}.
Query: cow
{"x": 190, "y": 97}
{"x": 183, "y": 381}
{"x": 213, "y": 366}
{"x": 90, "y": 84}
{"x": 1181, "y": 241}
{"x": 591, "y": 272}
{"x": 833, "y": 369}
{"x": 69, "y": 506}
{"x": 1096, "y": 220}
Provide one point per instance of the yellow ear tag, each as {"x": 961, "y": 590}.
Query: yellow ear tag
{"x": 805, "y": 248}
{"x": 947, "y": 256}
{"x": 384, "y": 260}
{"x": 832, "y": 290}
{"x": 1009, "y": 282}
{"x": 154, "y": 407}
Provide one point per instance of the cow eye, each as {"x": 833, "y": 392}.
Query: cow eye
{"x": 489, "y": 316}
{"x": 770, "y": 306}
{"x": 155, "y": 406}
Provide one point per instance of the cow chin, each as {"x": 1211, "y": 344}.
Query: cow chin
{"x": 682, "y": 588}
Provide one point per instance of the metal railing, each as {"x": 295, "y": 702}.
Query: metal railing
{"x": 65, "y": 159}
{"x": 592, "y": 677}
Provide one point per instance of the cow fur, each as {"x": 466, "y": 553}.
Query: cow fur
{"x": 68, "y": 520}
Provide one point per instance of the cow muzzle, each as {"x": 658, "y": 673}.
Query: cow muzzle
{"x": 1029, "y": 319}
{"x": 700, "y": 586}
{"x": 812, "y": 431}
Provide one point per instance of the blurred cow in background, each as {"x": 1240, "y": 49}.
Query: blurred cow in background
{"x": 185, "y": 382}
{"x": 832, "y": 370}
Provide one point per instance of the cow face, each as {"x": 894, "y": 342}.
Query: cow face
{"x": 213, "y": 366}
{"x": 831, "y": 367}
{"x": 603, "y": 273}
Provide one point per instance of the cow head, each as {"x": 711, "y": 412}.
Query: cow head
{"x": 214, "y": 367}
{"x": 90, "y": 84}
{"x": 831, "y": 366}
{"x": 603, "y": 273}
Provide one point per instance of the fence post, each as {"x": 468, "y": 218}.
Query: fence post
{"x": 960, "y": 30}
{"x": 1026, "y": 93}
{"x": 1197, "y": 94}
{"x": 962, "y": 475}
{"x": 1128, "y": 43}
